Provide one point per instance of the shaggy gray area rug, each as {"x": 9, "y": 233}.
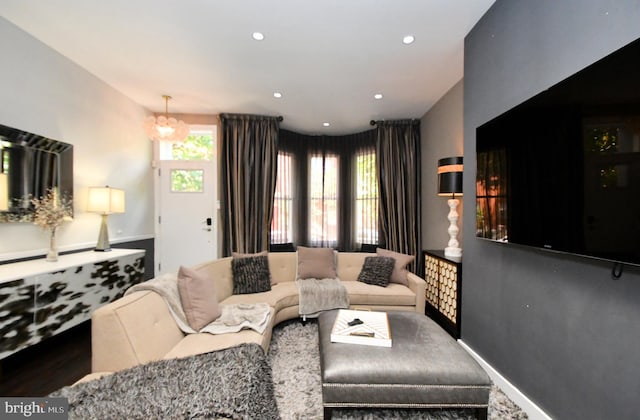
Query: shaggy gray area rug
{"x": 232, "y": 383}
{"x": 295, "y": 361}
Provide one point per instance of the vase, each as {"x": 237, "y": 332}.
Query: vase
{"x": 52, "y": 255}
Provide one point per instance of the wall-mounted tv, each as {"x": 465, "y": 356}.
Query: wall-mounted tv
{"x": 561, "y": 171}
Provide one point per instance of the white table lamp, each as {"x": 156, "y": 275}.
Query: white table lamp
{"x": 449, "y": 185}
{"x": 105, "y": 200}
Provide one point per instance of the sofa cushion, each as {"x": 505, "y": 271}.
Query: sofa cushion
{"x": 366, "y": 294}
{"x": 316, "y": 263}
{"x": 200, "y": 343}
{"x": 377, "y": 270}
{"x": 137, "y": 328}
{"x": 220, "y": 271}
{"x": 283, "y": 266}
{"x": 350, "y": 264}
{"x": 400, "y": 271}
{"x": 198, "y": 298}
{"x": 251, "y": 275}
{"x": 280, "y": 296}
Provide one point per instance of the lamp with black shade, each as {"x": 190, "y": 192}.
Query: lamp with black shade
{"x": 450, "y": 185}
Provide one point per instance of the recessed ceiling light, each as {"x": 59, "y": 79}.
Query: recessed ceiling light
{"x": 277, "y": 95}
{"x": 408, "y": 39}
{"x": 325, "y": 124}
{"x": 258, "y": 36}
{"x": 378, "y": 96}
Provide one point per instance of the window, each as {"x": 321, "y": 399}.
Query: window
{"x": 332, "y": 196}
{"x": 187, "y": 181}
{"x": 282, "y": 222}
{"x": 323, "y": 200}
{"x": 199, "y": 145}
{"x": 366, "y": 198}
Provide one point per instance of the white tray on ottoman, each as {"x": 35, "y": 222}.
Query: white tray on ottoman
{"x": 372, "y": 329}
{"x": 425, "y": 368}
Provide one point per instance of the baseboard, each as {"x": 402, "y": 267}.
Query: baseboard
{"x": 533, "y": 411}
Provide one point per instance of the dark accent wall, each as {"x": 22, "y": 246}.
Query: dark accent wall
{"x": 149, "y": 261}
{"x": 558, "y": 327}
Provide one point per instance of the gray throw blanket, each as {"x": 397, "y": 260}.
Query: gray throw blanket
{"x": 232, "y": 383}
{"x": 317, "y": 295}
{"x": 233, "y": 318}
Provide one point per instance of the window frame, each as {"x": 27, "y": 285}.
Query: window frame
{"x": 287, "y": 198}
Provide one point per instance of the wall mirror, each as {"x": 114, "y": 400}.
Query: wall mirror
{"x": 30, "y": 165}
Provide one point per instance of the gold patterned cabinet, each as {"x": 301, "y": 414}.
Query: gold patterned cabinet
{"x": 444, "y": 277}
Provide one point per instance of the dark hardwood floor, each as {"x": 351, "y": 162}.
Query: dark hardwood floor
{"x": 48, "y": 366}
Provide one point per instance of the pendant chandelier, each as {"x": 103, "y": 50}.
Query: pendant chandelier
{"x": 165, "y": 128}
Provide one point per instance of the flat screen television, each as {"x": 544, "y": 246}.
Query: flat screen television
{"x": 561, "y": 171}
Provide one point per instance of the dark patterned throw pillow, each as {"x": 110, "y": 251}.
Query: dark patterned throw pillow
{"x": 377, "y": 270}
{"x": 251, "y": 275}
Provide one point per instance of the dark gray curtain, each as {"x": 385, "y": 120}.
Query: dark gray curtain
{"x": 398, "y": 160}
{"x": 249, "y": 167}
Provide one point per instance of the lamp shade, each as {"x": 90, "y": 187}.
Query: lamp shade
{"x": 450, "y": 176}
{"x": 105, "y": 200}
{"x": 4, "y": 192}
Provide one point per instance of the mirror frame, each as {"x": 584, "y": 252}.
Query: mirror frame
{"x": 31, "y": 152}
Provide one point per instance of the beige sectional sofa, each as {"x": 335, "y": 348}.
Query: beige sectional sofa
{"x": 139, "y": 327}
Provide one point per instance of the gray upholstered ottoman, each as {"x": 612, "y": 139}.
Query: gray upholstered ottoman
{"x": 425, "y": 368}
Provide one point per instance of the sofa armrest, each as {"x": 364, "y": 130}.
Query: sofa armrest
{"x": 418, "y": 286}
{"x": 137, "y": 328}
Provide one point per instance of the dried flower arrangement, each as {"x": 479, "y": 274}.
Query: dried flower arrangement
{"x": 51, "y": 210}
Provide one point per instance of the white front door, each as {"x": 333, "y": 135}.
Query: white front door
{"x": 186, "y": 231}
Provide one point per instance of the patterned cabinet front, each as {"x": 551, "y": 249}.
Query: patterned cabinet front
{"x": 43, "y": 303}
{"x": 17, "y": 310}
{"x": 443, "y": 276}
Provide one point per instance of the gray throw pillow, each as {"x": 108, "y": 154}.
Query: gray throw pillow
{"x": 250, "y": 275}
{"x": 258, "y": 254}
{"x": 400, "y": 271}
{"x": 377, "y": 270}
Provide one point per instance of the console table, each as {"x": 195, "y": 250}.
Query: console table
{"x": 39, "y": 299}
{"x": 444, "y": 285}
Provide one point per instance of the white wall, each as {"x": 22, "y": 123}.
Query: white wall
{"x": 441, "y": 136}
{"x": 43, "y": 92}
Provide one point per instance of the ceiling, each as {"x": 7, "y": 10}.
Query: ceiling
{"x": 326, "y": 57}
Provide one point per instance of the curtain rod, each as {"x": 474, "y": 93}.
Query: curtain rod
{"x": 233, "y": 116}
{"x": 408, "y": 120}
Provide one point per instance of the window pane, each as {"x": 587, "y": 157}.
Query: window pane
{"x": 282, "y": 222}
{"x": 199, "y": 145}
{"x": 366, "y": 208}
{"x": 323, "y": 200}
{"x": 187, "y": 180}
